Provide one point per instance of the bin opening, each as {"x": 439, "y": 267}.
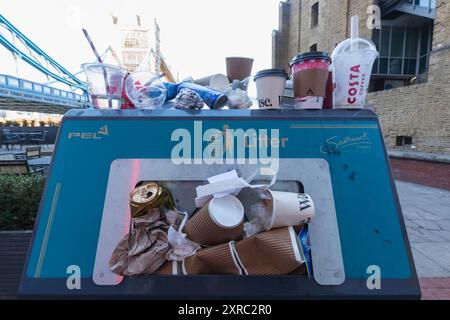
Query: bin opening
{"x": 213, "y": 250}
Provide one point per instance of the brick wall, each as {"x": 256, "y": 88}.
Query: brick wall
{"x": 333, "y": 27}
{"x": 433, "y": 174}
{"x": 422, "y": 111}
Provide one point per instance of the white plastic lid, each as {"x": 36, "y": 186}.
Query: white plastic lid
{"x": 226, "y": 211}
{"x": 353, "y": 45}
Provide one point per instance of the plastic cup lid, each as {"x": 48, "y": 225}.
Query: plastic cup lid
{"x": 271, "y": 73}
{"x": 310, "y": 56}
{"x": 101, "y": 67}
{"x": 226, "y": 212}
{"x": 354, "y": 45}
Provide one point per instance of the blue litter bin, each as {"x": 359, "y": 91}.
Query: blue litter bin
{"x": 359, "y": 244}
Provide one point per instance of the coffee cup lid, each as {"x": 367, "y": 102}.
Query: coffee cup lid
{"x": 271, "y": 73}
{"x": 309, "y": 56}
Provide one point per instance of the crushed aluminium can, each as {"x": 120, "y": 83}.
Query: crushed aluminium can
{"x": 147, "y": 196}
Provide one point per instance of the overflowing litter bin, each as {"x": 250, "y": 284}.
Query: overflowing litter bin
{"x": 120, "y": 176}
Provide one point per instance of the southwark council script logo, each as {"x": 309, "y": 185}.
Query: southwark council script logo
{"x": 335, "y": 143}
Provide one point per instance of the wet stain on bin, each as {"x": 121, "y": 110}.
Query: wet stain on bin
{"x": 352, "y": 176}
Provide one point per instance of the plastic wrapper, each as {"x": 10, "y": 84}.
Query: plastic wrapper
{"x": 181, "y": 247}
{"x": 306, "y": 248}
{"x": 259, "y": 216}
{"x": 188, "y": 99}
{"x": 238, "y": 99}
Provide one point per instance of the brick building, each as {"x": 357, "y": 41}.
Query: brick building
{"x": 410, "y": 84}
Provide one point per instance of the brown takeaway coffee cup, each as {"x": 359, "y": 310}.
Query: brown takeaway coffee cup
{"x": 273, "y": 252}
{"x": 221, "y": 220}
{"x": 214, "y": 260}
{"x": 310, "y": 75}
{"x": 239, "y": 68}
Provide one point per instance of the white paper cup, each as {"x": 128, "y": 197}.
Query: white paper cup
{"x": 290, "y": 209}
{"x": 270, "y": 86}
{"x": 216, "y": 81}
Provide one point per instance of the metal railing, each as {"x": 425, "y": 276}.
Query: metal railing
{"x": 28, "y": 90}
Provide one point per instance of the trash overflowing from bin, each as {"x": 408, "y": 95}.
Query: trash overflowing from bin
{"x": 316, "y": 80}
{"x": 220, "y": 236}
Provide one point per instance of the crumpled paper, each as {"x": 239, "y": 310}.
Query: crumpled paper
{"x": 225, "y": 184}
{"x": 144, "y": 249}
{"x": 181, "y": 247}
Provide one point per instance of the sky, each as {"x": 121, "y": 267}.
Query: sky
{"x": 196, "y": 35}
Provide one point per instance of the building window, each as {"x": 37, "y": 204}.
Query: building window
{"x": 403, "y": 141}
{"x": 313, "y": 48}
{"x": 315, "y": 14}
{"x": 403, "y": 51}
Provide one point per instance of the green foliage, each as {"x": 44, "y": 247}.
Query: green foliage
{"x": 20, "y": 196}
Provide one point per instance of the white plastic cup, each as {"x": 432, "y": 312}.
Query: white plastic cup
{"x": 352, "y": 67}
{"x": 105, "y": 84}
{"x": 270, "y": 84}
{"x": 145, "y": 90}
{"x": 290, "y": 209}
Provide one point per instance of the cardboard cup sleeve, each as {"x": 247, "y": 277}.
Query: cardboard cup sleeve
{"x": 207, "y": 230}
{"x": 214, "y": 260}
{"x": 168, "y": 268}
{"x": 273, "y": 252}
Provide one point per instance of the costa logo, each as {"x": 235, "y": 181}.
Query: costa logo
{"x": 353, "y": 84}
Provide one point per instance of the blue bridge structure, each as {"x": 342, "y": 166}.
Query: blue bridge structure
{"x": 24, "y": 95}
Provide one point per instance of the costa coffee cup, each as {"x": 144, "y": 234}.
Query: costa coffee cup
{"x": 221, "y": 220}
{"x": 273, "y": 252}
{"x": 219, "y": 259}
{"x": 290, "y": 209}
{"x": 239, "y": 68}
{"x": 352, "y": 67}
{"x": 270, "y": 85}
{"x": 310, "y": 75}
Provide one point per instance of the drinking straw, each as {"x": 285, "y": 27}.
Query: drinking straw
{"x": 99, "y": 59}
{"x": 354, "y": 32}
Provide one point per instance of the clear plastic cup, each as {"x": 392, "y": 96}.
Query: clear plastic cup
{"x": 145, "y": 90}
{"x": 105, "y": 84}
{"x": 352, "y": 67}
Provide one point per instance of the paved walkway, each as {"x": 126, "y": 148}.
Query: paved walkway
{"x": 427, "y": 217}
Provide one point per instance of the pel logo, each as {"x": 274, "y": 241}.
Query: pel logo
{"x": 374, "y": 279}
{"x": 74, "y": 279}
{"x": 90, "y": 135}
